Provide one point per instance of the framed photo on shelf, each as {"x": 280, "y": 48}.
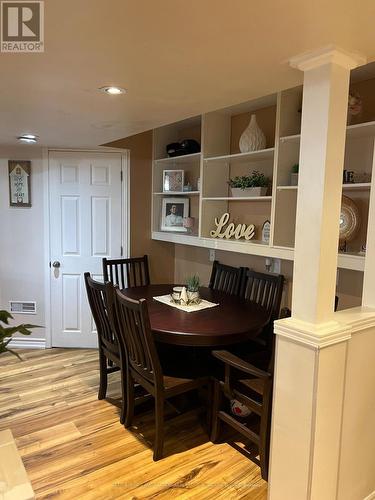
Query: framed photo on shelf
{"x": 173, "y": 212}
{"x": 173, "y": 181}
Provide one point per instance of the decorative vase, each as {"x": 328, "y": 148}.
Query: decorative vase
{"x": 193, "y": 297}
{"x": 252, "y": 138}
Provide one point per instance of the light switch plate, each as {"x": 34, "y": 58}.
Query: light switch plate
{"x": 211, "y": 255}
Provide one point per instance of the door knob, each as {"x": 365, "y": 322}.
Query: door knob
{"x": 56, "y": 263}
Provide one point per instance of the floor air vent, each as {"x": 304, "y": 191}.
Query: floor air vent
{"x": 22, "y": 307}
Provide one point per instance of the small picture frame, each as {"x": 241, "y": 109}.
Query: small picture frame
{"x": 173, "y": 212}
{"x": 266, "y": 231}
{"x": 173, "y": 181}
{"x": 19, "y": 183}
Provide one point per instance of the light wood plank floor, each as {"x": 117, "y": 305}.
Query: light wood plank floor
{"x": 74, "y": 447}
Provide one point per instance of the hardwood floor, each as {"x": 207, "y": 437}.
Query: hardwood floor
{"x": 74, "y": 447}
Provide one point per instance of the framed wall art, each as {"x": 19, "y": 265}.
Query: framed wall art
{"x": 173, "y": 212}
{"x": 19, "y": 183}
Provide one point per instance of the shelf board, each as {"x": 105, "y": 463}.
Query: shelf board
{"x": 262, "y": 154}
{"x": 366, "y": 129}
{"x": 238, "y": 198}
{"x": 360, "y": 186}
{"x": 290, "y": 138}
{"x": 178, "y": 193}
{"x": 179, "y": 159}
{"x": 284, "y": 188}
{"x": 354, "y": 262}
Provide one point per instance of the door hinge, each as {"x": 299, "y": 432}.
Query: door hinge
{"x": 122, "y": 250}
{"x": 122, "y": 177}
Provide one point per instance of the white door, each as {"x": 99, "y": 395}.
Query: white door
{"x": 85, "y": 226}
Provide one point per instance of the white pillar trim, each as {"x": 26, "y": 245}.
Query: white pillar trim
{"x": 312, "y": 335}
{"x": 327, "y": 55}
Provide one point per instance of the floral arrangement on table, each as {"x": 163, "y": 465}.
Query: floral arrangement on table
{"x": 6, "y": 332}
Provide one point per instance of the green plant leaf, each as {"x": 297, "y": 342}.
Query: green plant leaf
{"x": 5, "y": 316}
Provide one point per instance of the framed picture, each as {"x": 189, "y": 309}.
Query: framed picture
{"x": 173, "y": 212}
{"x": 173, "y": 181}
{"x": 19, "y": 183}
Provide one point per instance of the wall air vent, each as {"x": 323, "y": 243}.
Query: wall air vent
{"x": 19, "y": 307}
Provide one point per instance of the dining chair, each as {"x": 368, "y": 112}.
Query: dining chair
{"x": 127, "y": 273}
{"x": 266, "y": 290}
{"x": 252, "y": 387}
{"x": 144, "y": 365}
{"x": 111, "y": 356}
{"x": 226, "y": 278}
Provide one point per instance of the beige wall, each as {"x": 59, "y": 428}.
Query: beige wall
{"x": 161, "y": 254}
{"x": 191, "y": 260}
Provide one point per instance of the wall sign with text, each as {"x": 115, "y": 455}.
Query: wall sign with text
{"x": 228, "y": 231}
{"x": 19, "y": 183}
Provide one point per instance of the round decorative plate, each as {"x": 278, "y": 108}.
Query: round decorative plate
{"x": 349, "y": 219}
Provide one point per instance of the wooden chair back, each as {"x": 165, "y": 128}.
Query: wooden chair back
{"x": 226, "y": 278}
{"x": 266, "y": 290}
{"x": 97, "y": 297}
{"x": 127, "y": 273}
{"x": 135, "y": 331}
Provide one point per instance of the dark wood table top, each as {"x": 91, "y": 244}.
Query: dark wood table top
{"x": 233, "y": 320}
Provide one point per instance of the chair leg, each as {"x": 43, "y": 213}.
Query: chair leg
{"x": 214, "y": 412}
{"x": 123, "y": 396}
{"x": 103, "y": 379}
{"x": 159, "y": 428}
{"x": 129, "y": 400}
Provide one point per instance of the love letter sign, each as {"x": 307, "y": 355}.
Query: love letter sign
{"x": 238, "y": 232}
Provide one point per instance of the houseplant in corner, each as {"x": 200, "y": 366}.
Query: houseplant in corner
{"x": 6, "y": 332}
{"x": 255, "y": 184}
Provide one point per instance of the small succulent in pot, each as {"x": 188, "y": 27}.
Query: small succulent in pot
{"x": 192, "y": 285}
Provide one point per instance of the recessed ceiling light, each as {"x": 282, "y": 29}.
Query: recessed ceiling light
{"x": 28, "y": 138}
{"x": 113, "y": 90}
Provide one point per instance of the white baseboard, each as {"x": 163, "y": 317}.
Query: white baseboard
{"x": 27, "y": 343}
{"x": 371, "y": 496}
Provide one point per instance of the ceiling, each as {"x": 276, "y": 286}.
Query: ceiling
{"x": 176, "y": 59}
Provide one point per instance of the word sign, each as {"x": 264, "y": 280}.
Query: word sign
{"x": 241, "y": 231}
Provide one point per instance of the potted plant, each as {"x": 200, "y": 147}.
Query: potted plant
{"x": 255, "y": 184}
{"x": 192, "y": 286}
{"x": 294, "y": 175}
{"x": 6, "y": 332}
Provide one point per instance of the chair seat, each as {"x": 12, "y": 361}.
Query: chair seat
{"x": 254, "y": 384}
{"x": 171, "y": 382}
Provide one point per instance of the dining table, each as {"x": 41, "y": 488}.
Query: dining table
{"x": 233, "y": 320}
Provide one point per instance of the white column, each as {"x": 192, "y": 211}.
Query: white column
{"x": 311, "y": 346}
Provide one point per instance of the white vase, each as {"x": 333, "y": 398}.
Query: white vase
{"x": 252, "y": 138}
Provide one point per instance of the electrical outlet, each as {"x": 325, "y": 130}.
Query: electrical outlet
{"x": 211, "y": 255}
{"x": 276, "y": 266}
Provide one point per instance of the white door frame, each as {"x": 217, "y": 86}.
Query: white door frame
{"x": 125, "y": 215}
